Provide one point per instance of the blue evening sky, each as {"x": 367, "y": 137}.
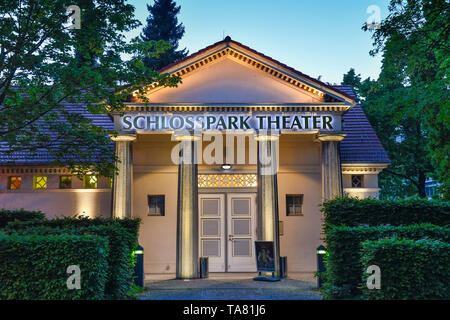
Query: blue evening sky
{"x": 316, "y": 37}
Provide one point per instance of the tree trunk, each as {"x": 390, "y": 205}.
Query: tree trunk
{"x": 421, "y": 185}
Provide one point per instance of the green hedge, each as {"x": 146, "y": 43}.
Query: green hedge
{"x": 354, "y": 212}
{"x": 35, "y": 267}
{"x": 122, "y": 237}
{"x": 413, "y": 270}
{"x": 343, "y": 276}
{"x": 7, "y": 216}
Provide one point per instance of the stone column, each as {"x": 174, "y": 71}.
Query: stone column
{"x": 331, "y": 166}
{"x": 187, "y": 209}
{"x": 123, "y": 180}
{"x": 267, "y": 211}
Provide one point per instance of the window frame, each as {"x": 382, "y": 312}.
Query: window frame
{"x": 36, "y": 183}
{"x": 15, "y": 186}
{"x": 60, "y": 182}
{"x": 361, "y": 180}
{"x": 162, "y": 208}
{"x": 85, "y": 182}
{"x": 295, "y": 205}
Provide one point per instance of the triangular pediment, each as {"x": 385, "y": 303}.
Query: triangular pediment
{"x": 228, "y": 72}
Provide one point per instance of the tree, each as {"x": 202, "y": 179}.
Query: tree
{"x": 162, "y": 23}
{"x": 414, "y": 39}
{"x": 352, "y": 79}
{"x": 45, "y": 64}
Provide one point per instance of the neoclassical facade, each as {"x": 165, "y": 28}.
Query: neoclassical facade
{"x": 244, "y": 149}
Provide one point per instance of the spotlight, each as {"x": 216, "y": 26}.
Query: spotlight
{"x": 226, "y": 166}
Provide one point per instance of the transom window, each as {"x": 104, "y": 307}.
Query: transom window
{"x": 14, "y": 183}
{"x": 294, "y": 204}
{"x": 90, "y": 182}
{"x": 357, "y": 181}
{"x": 39, "y": 182}
{"x": 65, "y": 182}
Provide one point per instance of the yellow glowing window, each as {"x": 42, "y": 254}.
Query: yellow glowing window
{"x": 39, "y": 182}
{"x": 90, "y": 182}
{"x": 110, "y": 182}
{"x": 65, "y": 182}
{"x": 14, "y": 183}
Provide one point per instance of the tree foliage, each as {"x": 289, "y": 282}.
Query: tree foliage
{"x": 162, "y": 23}
{"x": 45, "y": 64}
{"x": 408, "y": 105}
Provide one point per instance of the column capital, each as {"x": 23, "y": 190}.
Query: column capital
{"x": 186, "y": 136}
{"x": 267, "y": 135}
{"x": 123, "y": 137}
{"x": 335, "y": 136}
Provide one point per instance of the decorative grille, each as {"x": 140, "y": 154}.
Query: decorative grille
{"x": 227, "y": 180}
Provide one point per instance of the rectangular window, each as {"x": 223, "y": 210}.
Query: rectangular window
{"x": 39, "y": 182}
{"x": 357, "y": 181}
{"x": 156, "y": 204}
{"x": 90, "y": 182}
{"x": 65, "y": 182}
{"x": 294, "y": 204}
{"x": 14, "y": 183}
{"x": 110, "y": 183}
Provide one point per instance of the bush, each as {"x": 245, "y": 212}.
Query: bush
{"x": 34, "y": 267}
{"x": 343, "y": 276}
{"x": 410, "y": 269}
{"x": 7, "y": 216}
{"x": 122, "y": 237}
{"x": 354, "y": 212}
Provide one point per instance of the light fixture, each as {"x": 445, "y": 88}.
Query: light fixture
{"x": 226, "y": 166}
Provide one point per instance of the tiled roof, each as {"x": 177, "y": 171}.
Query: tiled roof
{"x": 361, "y": 145}
{"x": 43, "y": 156}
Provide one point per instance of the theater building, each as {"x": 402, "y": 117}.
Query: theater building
{"x": 244, "y": 149}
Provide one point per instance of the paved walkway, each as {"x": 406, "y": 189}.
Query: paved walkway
{"x": 231, "y": 287}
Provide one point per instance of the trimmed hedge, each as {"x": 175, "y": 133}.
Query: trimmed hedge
{"x": 373, "y": 212}
{"x": 122, "y": 237}
{"x": 35, "y": 267}
{"x": 409, "y": 269}
{"x": 7, "y": 216}
{"x": 343, "y": 276}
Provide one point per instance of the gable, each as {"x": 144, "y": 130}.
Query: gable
{"x": 230, "y": 72}
{"x": 228, "y": 81}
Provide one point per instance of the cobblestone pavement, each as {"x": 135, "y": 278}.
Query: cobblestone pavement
{"x": 228, "y": 288}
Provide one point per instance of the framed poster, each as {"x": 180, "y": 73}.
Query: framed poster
{"x": 265, "y": 261}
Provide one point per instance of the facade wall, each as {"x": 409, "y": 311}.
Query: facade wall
{"x": 55, "y": 202}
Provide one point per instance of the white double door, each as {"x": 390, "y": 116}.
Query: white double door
{"x": 227, "y": 231}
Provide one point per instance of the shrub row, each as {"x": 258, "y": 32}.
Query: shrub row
{"x": 410, "y": 269}
{"x": 35, "y": 267}
{"x": 7, "y": 216}
{"x": 343, "y": 276}
{"x": 121, "y": 235}
{"x": 373, "y": 212}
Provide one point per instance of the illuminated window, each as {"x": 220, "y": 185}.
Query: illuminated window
{"x": 65, "y": 182}
{"x": 14, "y": 183}
{"x": 39, "y": 182}
{"x": 357, "y": 181}
{"x": 294, "y": 204}
{"x": 156, "y": 205}
{"x": 110, "y": 182}
{"x": 90, "y": 182}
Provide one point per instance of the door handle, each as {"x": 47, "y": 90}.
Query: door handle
{"x": 230, "y": 237}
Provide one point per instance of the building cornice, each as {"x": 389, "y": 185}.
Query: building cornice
{"x": 363, "y": 168}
